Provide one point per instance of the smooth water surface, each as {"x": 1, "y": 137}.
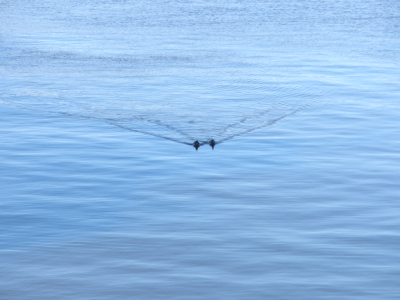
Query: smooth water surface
{"x": 103, "y": 196}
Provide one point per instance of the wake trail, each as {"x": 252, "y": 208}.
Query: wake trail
{"x": 178, "y": 133}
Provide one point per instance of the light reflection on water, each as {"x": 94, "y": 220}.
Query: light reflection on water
{"x": 304, "y": 209}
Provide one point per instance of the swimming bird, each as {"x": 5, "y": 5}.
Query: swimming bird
{"x": 196, "y": 144}
{"x": 212, "y": 144}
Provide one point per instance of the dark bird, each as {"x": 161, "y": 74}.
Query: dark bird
{"x": 196, "y": 144}
{"x": 212, "y": 144}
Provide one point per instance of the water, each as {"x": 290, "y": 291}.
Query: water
{"x": 104, "y": 197}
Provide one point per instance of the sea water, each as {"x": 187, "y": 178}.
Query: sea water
{"x": 103, "y": 195}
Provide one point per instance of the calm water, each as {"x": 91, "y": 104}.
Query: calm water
{"x": 103, "y": 196}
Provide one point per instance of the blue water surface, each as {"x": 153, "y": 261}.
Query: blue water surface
{"x": 103, "y": 196}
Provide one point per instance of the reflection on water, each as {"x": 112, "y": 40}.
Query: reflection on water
{"x": 103, "y": 196}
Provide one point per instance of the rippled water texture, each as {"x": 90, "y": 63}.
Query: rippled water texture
{"x": 190, "y": 71}
{"x": 103, "y": 196}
